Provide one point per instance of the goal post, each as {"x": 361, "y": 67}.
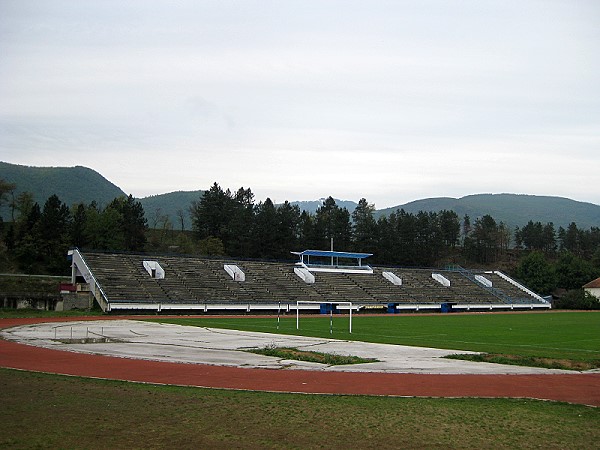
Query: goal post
{"x": 300, "y": 302}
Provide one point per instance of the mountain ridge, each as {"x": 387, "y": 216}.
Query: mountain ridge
{"x": 72, "y": 184}
{"x": 81, "y": 184}
{"x": 512, "y": 209}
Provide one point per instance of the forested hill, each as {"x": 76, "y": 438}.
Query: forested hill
{"x": 174, "y": 206}
{"x": 80, "y": 184}
{"x": 71, "y": 184}
{"x": 512, "y": 209}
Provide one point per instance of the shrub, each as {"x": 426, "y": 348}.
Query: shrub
{"x": 577, "y": 299}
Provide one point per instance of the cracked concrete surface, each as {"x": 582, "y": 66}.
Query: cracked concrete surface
{"x": 200, "y": 345}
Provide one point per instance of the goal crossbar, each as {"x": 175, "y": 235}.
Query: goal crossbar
{"x": 299, "y": 302}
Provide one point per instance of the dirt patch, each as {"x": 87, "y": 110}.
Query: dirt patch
{"x": 529, "y": 361}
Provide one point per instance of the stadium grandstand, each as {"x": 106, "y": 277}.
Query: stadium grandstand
{"x": 171, "y": 283}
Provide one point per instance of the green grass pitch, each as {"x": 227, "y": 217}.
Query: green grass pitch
{"x": 568, "y": 335}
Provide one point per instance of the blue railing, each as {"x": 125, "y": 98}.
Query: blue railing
{"x": 498, "y": 293}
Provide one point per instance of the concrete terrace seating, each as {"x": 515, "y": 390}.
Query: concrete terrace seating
{"x": 375, "y": 284}
{"x": 199, "y": 281}
{"x": 341, "y": 287}
{"x": 515, "y": 294}
{"x": 420, "y": 287}
{"x": 466, "y": 291}
{"x": 277, "y": 283}
{"x": 205, "y": 281}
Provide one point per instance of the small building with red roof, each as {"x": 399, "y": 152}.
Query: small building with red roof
{"x": 593, "y": 288}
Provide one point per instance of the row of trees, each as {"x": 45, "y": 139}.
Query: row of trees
{"x": 232, "y": 224}
{"x": 544, "y": 238}
{"x": 39, "y": 237}
{"x": 565, "y": 272}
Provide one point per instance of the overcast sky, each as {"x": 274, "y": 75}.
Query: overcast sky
{"x": 389, "y": 100}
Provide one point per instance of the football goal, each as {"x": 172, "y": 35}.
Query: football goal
{"x": 333, "y": 304}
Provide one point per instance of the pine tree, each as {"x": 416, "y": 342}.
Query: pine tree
{"x": 364, "y": 227}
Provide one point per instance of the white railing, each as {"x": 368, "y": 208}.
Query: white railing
{"x": 336, "y": 268}
{"x": 80, "y": 265}
{"x": 520, "y": 286}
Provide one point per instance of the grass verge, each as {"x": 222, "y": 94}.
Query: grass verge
{"x": 51, "y": 411}
{"x": 310, "y": 356}
{"x": 11, "y": 313}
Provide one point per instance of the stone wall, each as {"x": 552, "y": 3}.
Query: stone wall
{"x": 75, "y": 300}
{"x": 20, "y": 301}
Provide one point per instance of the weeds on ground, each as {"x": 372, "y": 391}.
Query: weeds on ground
{"x": 331, "y": 359}
{"x": 530, "y": 361}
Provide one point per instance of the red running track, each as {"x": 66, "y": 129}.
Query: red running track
{"x": 574, "y": 388}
